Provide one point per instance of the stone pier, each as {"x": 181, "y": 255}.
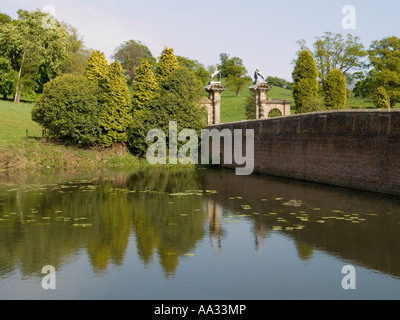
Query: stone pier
{"x": 213, "y": 104}
{"x": 263, "y": 105}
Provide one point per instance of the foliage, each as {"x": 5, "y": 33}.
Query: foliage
{"x": 237, "y": 83}
{"x": 145, "y": 87}
{"x": 250, "y": 106}
{"x": 305, "y": 81}
{"x": 385, "y": 58}
{"x": 279, "y": 82}
{"x": 167, "y": 63}
{"x": 69, "y": 110}
{"x": 333, "y": 51}
{"x": 235, "y": 72}
{"x": 130, "y": 54}
{"x": 382, "y": 99}
{"x": 179, "y": 100}
{"x": 334, "y": 88}
{"x": 201, "y": 73}
{"x": 115, "y": 115}
{"x": 97, "y": 68}
{"x": 35, "y": 51}
{"x": 7, "y": 77}
{"x": 77, "y": 53}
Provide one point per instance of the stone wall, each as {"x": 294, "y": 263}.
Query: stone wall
{"x": 357, "y": 149}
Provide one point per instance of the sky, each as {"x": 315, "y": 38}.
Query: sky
{"x": 263, "y": 33}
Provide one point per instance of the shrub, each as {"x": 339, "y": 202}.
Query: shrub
{"x": 179, "y": 100}
{"x": 69, "y": 109}
{"x": 382, "y": 99}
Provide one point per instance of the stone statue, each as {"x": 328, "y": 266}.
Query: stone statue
{"x": 217, "y": 72}
{"x": 257, "y": 74}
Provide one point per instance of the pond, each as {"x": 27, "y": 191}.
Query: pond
{"x": 194, "y": 234}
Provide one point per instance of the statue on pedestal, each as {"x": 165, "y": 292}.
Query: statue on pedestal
{"x": 216, "y": 72}
{"x": 258, "y": 74}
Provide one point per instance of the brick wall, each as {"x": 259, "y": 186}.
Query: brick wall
{"x": 358, "y": 149}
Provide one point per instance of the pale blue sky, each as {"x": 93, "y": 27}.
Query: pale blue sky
{"x": 261, "y": 32}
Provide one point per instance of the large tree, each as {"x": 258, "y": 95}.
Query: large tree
{"x": 384, "y": 56}
{"x": 333, "y": 51}
{"x": 130, "y": 55}
{"x": 305, "y": 82}
{"x": 36, "y": 50}
{"x": 235, "y": 72}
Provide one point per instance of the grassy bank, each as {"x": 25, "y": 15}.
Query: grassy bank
{"x": 19, "y": 152}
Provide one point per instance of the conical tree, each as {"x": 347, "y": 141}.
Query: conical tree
{"x": 305, "y": 81}
{"x": 335, "y": 93}
{"x": 115, "y": 115}
{"x": 97, "y": 68}
{"x": 145, "y": 86}
{"x": 382, "y": 99}
{"x": 167, "y": 63}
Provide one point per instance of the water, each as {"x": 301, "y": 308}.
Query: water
{"x": 184, "y": 234}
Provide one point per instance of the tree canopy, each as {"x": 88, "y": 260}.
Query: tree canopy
{"x": 36, "y": 51}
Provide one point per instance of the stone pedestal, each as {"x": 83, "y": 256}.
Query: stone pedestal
{"x": 263, "y": 105}
{"x": 214, "y": 90}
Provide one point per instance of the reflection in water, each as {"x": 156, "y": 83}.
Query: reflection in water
{"x": 168, "y": 213}
{"x": 356, "y": 226}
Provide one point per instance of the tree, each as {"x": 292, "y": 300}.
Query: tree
{"x": 305, "y": 81}
{"x": 333, "y": 51}
{"x": 77, "y": 54}
{"x": 201, "y": 73}
{"x": 4, "y": 19}
{"x": 69, "y": 109}
{"x": 279, "y": 82}
{"x": 97, "y": 68}
{"x": 179, "y": 100}
{"x": 224, "y": 58}
{"x": 384, "y": 56}
{"x": 167, "y": 63}
{"x": 235, "y": 73}
{"x": 237, "y": 83}
{"x": 334, "y": 88}
{"x": 130, "y": 54}
{"x": 382, "y": 99}
{"x": 7, "y": 77}
{"x": 36, "y": 52}
{"x": 115, "y": 115}
{"x": 145, "y": 87}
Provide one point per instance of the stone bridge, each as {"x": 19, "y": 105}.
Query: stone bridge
{"x": 348, "y": 148}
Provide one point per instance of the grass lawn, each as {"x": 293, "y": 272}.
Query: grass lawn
{"x": 15, "y": 119}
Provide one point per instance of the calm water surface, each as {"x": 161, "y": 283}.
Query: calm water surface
{"x": 204, "y": 234}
